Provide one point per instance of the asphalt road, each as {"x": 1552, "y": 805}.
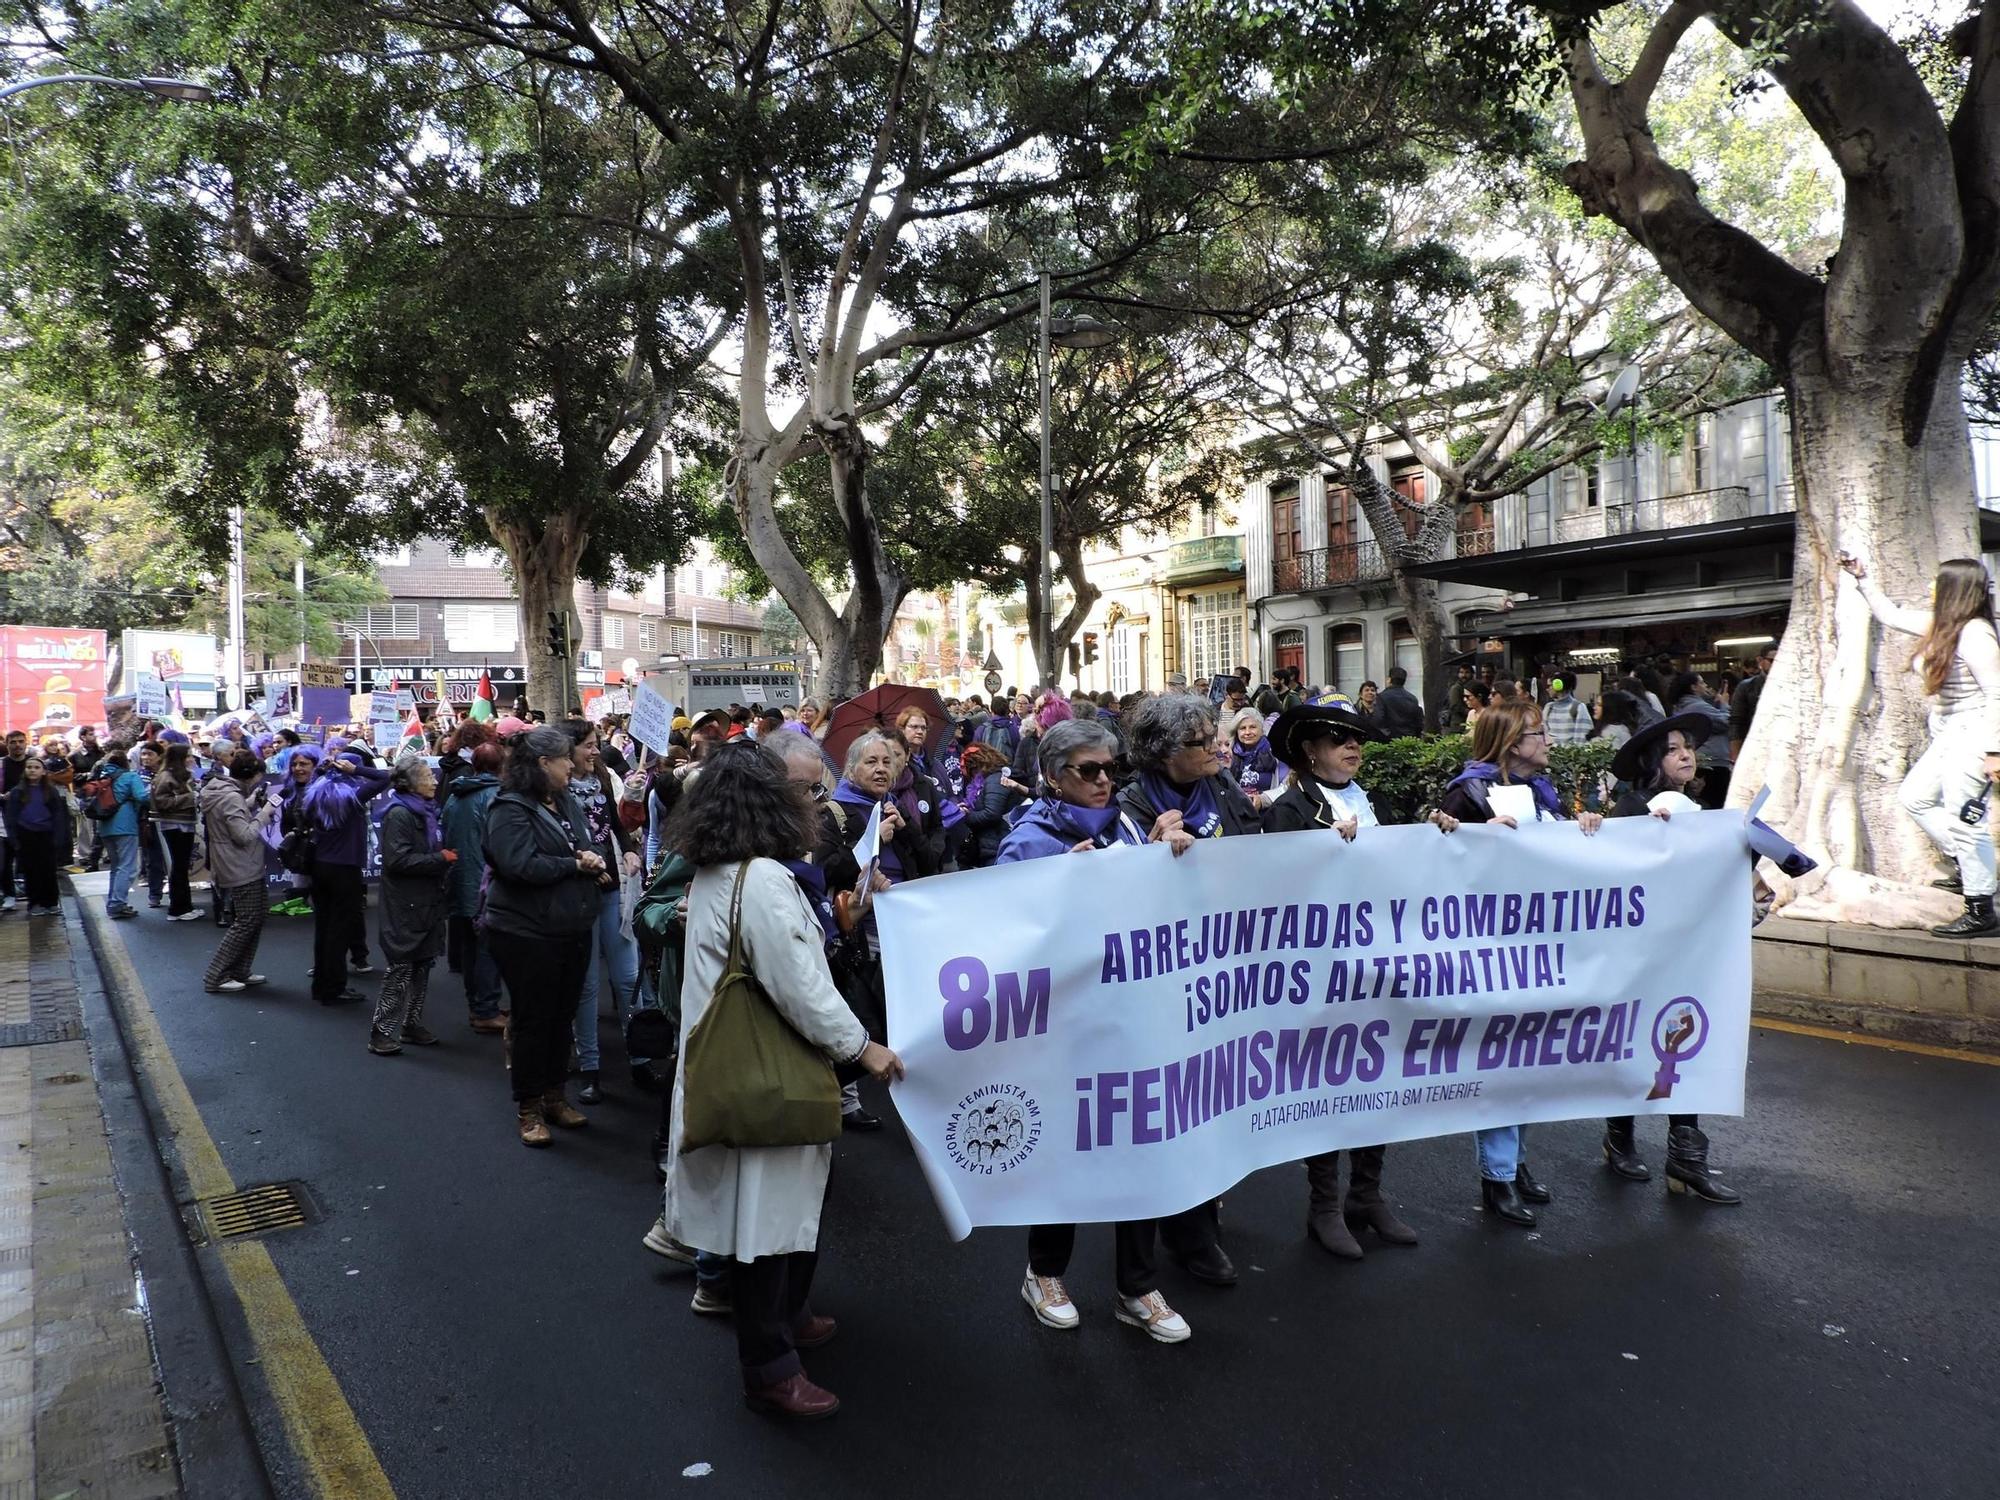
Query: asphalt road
{"x": 500, "y": 1332}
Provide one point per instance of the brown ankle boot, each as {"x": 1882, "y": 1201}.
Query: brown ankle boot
{"x": 559, "y": 1111}
{"x": 534, "y": 1132}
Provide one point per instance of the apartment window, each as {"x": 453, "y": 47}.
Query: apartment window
{"x": 1214, "y": 632}
{"x": 700, "y": 579}
{"x": 1579, "y": 491}
{"x": 481, "y": 627}
{"x": 1287, "y": 541}
{"x": 1687, "y": 463}
{"x": 680, "y": 639}
{"x": 736, "y": 643}
{"x": 1750, "y": 455}
{"x": 649, "y": 635}
{"x": 614, "y": 633}
{"x": 1120, "y": 662}
{"x": 384, "y": 622}
{"x": 1412, "y": 488}
{"x": 490, "y": 558}
{"x": 1347, "y": 656}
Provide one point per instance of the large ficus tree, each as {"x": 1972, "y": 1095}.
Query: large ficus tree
{"x": 1870, "y": 349}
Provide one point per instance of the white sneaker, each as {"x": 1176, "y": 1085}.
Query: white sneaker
{"x": 186, "y": 916}
{"x": 1151, "y": 1313}
{"x": 660, "y": 1242}
{"x": 253, "y": 979}
{"x": 1050, "y": 1301}
{"x": 230, "y": 986}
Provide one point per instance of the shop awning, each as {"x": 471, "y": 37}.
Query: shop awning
{"x": 1626, "y": 613}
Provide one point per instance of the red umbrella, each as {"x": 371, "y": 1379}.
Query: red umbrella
{"x": 877, "y": 709}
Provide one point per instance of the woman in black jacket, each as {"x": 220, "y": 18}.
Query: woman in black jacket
{"x": 538, "y": 916}
{"x": 1661, "y": 758}
{"x": 1178, "y": 784}
{"x": 1322, "y": 745}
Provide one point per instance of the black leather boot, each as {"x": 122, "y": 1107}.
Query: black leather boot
{"x": 1620, "y": 1151}
{"x": 1977, "y": 922}
{"x": 1530, "y": 1190}
{"x": 1504, "y": 1203}
{"x": 1687, "y": 1167}
{"x": 1323, "y": 1218}
{"x": 1366, "y": 1207}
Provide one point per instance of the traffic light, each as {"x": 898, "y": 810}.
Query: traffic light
{"x": 559, "y": 633}
{"x": 1073, "y": 667}
{"x": 1089, "y": 647}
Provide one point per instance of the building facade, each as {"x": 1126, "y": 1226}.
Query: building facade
{"x": 457, "y": 613}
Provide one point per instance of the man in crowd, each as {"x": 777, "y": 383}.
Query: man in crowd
{"x": 1743, "y": 702}
{"x": 1398, "y": 713}
{"x": 1566, "y": 717}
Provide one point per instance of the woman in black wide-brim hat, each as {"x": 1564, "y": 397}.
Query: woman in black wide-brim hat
{"x": 1322, "y": 744}
{"x": 1661, "y": 758}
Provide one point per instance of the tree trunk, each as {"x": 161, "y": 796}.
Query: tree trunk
{"x": 1843, "y": 717}
{"x": 544, "y": 558}
{"x": 1426, "y": 617}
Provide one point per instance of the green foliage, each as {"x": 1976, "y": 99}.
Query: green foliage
{"x": 1414, "y": 773}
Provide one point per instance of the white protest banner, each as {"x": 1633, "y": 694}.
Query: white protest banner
{"x": 1119, "y": 1034}
{"x": 652, "y": 718}
{"x": 382, "y": 706}
{"x": 149, "y": 694}
{"x": 388, "y": 734}
{"x": 617, "y": 701}
{"x": 753, "y": 692}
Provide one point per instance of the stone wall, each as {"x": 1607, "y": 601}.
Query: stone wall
{"x": 1884, "y": 981}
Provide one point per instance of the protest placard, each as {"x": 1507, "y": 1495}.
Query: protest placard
{"x": 1119, "y": 1034}
{"x": 652, "y": 718}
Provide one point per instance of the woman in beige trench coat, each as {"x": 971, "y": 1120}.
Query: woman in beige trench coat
{"x": 760, "y": 1205}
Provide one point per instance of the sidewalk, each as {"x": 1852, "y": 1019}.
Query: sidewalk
{"x": 80, "y": 1407}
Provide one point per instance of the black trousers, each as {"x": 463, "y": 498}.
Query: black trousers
{"x": 1194, "y": 1230}
{"x": 38, "y": 865}
{"x": 357, "y": 930}
{"x": 544, "y": 978}
{"x": 180, "y": 855}
{"x": 770, "y": 1295}
{"x": 7, "y": 868}
{"x": 1132, "y": 1259}
{"x": 340, "y": 901}
{"x": 1674, "y": 1122}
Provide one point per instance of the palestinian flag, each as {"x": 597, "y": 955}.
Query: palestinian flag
{"x": 482, "y": 699}
{"x": 413, "y": 730}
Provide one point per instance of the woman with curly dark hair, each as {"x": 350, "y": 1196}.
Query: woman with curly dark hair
{"x": 740, "y": 824}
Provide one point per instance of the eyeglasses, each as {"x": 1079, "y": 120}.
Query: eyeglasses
{"x": 1090, "y": 770}
{"x": 1534, "y": 734}
{"x": 1339, "y": 737}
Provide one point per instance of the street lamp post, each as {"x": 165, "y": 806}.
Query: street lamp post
{"x": 182, "y": 90}
{"x": 1061, "y": 333}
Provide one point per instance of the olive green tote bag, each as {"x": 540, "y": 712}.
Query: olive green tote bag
{"x": 747, "y": 1078}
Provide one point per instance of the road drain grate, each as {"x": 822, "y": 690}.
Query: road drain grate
{"x": 257, "y": 1210}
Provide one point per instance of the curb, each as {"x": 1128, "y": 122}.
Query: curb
{"x": 1929, "y": 1029}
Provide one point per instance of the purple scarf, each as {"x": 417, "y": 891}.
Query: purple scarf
{"x": 425, "y": 809}
{"x": 1200, "y": 814}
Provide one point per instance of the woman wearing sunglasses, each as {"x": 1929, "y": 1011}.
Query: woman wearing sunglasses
{"x": 1322, "y": 744}
{"x": 1075, "y": 814}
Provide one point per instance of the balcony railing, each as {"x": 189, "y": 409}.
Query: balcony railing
{"x": 1671, "y": 512}
{"x": 1329, "y": 568}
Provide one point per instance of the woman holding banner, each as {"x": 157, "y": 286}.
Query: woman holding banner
{"x": 1322, "y": 745}
{"x": 1506, "y": 781}
{"x": 1657, "y": 761}
{"x": 1179, "y": 782}
{"x": 1075, "y": 814}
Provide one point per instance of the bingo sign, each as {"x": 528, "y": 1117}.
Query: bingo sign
{"x": 52, "y": 680}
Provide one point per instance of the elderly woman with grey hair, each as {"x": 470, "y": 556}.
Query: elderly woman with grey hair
{"x": 874, "y": 764}
{"x": 1075, "y": 813}
{"x": 415, "y": 864}
{"x": 1179, "y": 785}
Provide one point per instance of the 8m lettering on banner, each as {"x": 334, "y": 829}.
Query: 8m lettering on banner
{"x": 971, "y": 1018}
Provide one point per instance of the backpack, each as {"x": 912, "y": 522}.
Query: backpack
{"x": 99, "y": 797}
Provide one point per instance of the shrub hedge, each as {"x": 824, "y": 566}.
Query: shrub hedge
{"x": 1413, "y": 773}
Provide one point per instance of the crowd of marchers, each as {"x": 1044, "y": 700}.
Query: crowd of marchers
{"x": 718, "y": 882}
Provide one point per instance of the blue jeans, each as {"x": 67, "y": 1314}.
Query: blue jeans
{"x": 121, "y": 852}
{"x": 609, "y": 949}
{"x": 154, "y": 860}
{"x": 1500, "y": 1151}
